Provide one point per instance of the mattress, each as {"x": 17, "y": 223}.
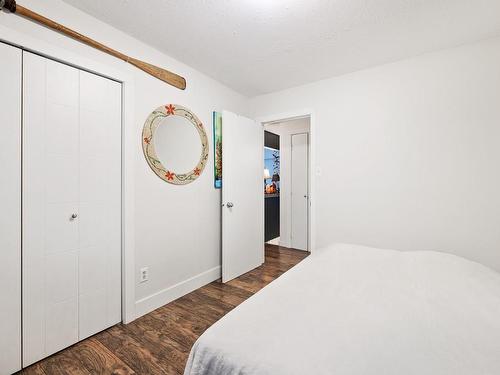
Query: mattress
{"x": 354, "y": 310}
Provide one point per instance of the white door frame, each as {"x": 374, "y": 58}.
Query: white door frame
{"x": 311, "y": 238}
{"x": 129, "y": 146}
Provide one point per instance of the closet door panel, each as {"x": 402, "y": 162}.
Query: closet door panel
{"x": 66, "y": 190}
{"x": 50, "y": 191}
{"x": 62, "y": 84}
{"x": 10, "y": 212}
{"x": 93, "y": 313}
{"x": 92, "y": 224}
{"x": 100, "y": 204}
{"x": 61, "y": 316}
{"x": 34, "y": 219}
{"x": 93, "y": 138}
{"x": 61, "y": 328}
{"x": 34, "y": 319}
{"x": 61, "y": 232}
{"x": 114, "y": 212}
{"x": 60, "y": 138}
{"x": 60, "y": 282}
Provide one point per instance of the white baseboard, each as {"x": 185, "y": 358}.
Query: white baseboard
{"x": 158, "y": 299}
{"x": 274, "y": 241}
{"x": 284, "y": 243}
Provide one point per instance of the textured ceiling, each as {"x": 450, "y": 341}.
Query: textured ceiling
{"x": 260, "y": 46}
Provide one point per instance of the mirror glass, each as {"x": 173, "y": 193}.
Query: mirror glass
{"x": 177, "y": 144}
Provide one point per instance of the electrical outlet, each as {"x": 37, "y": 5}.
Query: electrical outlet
{"x": 144, "y": 274}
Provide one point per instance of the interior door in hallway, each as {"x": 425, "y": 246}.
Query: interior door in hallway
{"x": 300, "y": 191}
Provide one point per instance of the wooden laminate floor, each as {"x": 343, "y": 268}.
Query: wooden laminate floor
{"x": 159, "y": 342}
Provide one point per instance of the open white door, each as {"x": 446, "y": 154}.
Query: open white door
{"x": 242, "y": 195}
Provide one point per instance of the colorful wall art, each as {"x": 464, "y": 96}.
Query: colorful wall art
{"x": 217, "y": 131}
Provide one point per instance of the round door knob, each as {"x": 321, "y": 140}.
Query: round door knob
{"x": 229, "y": 204}
{"x": 74, "y": 216}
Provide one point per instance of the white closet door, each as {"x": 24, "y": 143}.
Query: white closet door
{"x": 10, "y": 212}
{"x": 99, "y": 219}
{"x": 300, "y": 194}
{"x": 50, "y": 197}
{"x": 71, "y": 210}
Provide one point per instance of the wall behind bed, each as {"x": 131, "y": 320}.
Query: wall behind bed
{"x": 409, "y": 152}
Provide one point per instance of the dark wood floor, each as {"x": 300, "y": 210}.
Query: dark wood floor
{"x": 159, "y": 342}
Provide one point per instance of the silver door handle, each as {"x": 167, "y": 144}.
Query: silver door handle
{"x": 74, "y": 216}
{"x": 229, "y": 204}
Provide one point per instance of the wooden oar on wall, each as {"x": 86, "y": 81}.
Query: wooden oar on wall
{"x": 162, "y": 74}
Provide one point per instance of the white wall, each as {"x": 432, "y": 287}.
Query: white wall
{"x": 285, "y": 131}
{"x": 408, "y": 152}
{"x": 177, "y": 228}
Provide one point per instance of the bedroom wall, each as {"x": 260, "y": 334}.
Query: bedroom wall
{"x": 285, "y": 131}
{"x": 176, "y": 228}
{"x": 408, "y": 153}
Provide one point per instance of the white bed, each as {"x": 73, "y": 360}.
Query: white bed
{"x": 352, "y": 310}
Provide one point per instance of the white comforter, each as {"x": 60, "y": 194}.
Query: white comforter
{"x": 352, "y": 310}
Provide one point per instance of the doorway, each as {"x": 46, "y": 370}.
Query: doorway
{"x": 244, "y": 187}
{"x": 287, "y": 182}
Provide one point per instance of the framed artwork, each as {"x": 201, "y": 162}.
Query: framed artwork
{"x": 217, "y": 131}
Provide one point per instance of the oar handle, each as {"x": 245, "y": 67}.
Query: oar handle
{"x": 160, "y": 73}
{"x": 10, "y": 5}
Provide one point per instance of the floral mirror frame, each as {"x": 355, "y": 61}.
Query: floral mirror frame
{"x": 148, "y": 133}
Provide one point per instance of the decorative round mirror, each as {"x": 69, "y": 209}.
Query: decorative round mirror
{"x": 175, "y": 144}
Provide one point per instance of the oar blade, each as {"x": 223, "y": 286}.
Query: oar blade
{"x": 162, "y": 74}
